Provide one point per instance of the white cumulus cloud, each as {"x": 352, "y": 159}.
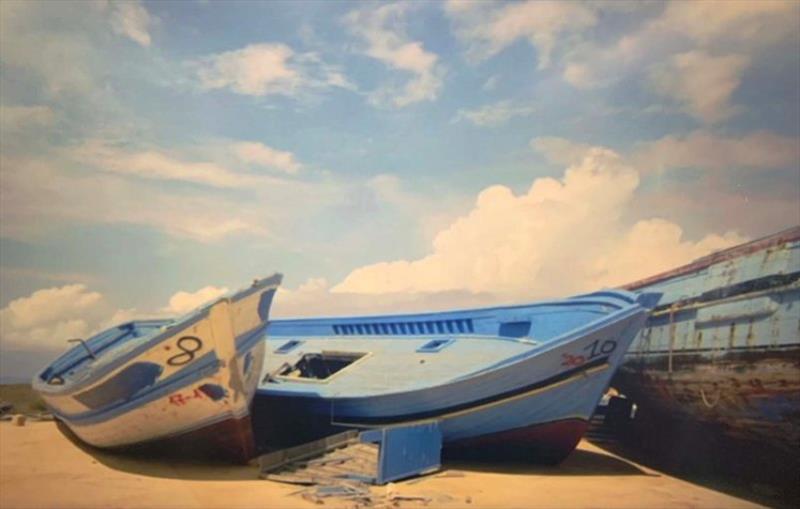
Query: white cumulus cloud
{"x": 560, "y": 237}
{"x": 183, "y": 302}
{"x": 48, "y": 317}
{"x": 45, "y": 319}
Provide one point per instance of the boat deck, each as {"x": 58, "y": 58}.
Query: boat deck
{"x": 395, "y": 364}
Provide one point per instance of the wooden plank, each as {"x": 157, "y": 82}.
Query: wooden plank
{"x": 274, "y": 460}
{"x": 291, "y": 479}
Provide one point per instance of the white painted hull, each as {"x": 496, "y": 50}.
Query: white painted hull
{"x": 194, "y": 376}
{"x": 183, "y": 410}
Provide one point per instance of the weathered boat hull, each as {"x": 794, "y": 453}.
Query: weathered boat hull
{"x": 167, "y": 383}
{"x": 723, "y": 346}
{"x": 205, "y": 412}
{"x": 538, "y": 399}
{"x": 549, "y": 442}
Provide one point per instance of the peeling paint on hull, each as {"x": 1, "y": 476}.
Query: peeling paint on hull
{"x": 723, "y": 346}
{"x": 754, "y": 396}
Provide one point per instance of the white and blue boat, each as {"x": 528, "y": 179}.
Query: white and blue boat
{"x": 184, "y": 382}
{"x": 523, "y": 378}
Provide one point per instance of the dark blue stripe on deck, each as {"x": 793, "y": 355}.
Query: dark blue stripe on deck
{"x": 440, "y": 412}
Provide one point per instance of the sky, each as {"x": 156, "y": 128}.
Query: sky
{"x": 382, "y": 156}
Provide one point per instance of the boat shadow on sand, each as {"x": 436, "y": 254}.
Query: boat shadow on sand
{"x": 186, "y": 464}
{"x": 580, "y": 462}
{"x": 167, "y": 463}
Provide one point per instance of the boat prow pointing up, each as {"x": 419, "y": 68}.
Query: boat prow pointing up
{"x": 184, "y": 381}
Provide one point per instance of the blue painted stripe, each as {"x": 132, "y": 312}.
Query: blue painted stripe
{"x": 441, "y": 412}
{"x": 130, "y": 380}
{"x": 273, "y": 280}
{"x": 247, "y": 341}
{"x": 94, "y": 375}
{"x": 205, "y": 366}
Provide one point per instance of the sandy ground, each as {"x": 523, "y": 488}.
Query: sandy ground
{"x": 41, "y": 467}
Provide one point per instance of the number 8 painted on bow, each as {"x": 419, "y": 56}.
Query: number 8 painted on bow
{"x": 187, "y": 354}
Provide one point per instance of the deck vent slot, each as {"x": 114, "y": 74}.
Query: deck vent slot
{"x": 320, "y": 366}
{"x": 435, "y": 345}
{"x": 289, "y": 346}
{"x": 515, "y": 329}
{"x": 457, "y": 326}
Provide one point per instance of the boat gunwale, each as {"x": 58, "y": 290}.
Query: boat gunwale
{"x": 788, "y": 235}
{"x": 610, "y": 297}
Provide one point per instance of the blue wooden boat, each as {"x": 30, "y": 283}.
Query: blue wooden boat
{"x": 182, "y": 382}
{"x": 722, "y": 348}
{"x": 524, "y": 377}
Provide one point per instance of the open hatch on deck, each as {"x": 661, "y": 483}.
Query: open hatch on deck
{"x": 319, "y": 366}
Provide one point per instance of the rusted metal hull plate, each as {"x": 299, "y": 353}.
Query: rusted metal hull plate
{"x": 750, "y": 395}
{"x": 723, "y": 345}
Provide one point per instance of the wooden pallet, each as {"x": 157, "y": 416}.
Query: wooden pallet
{"x": 340, "y": 456}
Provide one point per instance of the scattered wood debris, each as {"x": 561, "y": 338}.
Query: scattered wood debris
{"x": 348, "y": 465}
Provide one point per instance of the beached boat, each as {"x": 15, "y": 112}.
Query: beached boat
{"x": 186, "y": 382}
{"x": 525, "y": 377}
{"x": 722, "y": 348}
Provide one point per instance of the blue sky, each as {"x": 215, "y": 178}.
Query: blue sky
{"x": 380, "y": 155}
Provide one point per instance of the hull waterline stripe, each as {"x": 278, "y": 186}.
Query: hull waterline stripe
{"x": 588, "y": 369}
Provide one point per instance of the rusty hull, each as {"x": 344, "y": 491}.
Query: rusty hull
{"x": 723, "y": 345}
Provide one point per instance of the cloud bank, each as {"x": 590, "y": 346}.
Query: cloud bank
{"x": 48, "y": 317}
{"x": 45, "y": 319}
{"x": 561, "y": 237}
{"x": 183, "y": 302}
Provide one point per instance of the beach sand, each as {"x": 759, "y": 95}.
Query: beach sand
{"x": 41, "y": 467}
